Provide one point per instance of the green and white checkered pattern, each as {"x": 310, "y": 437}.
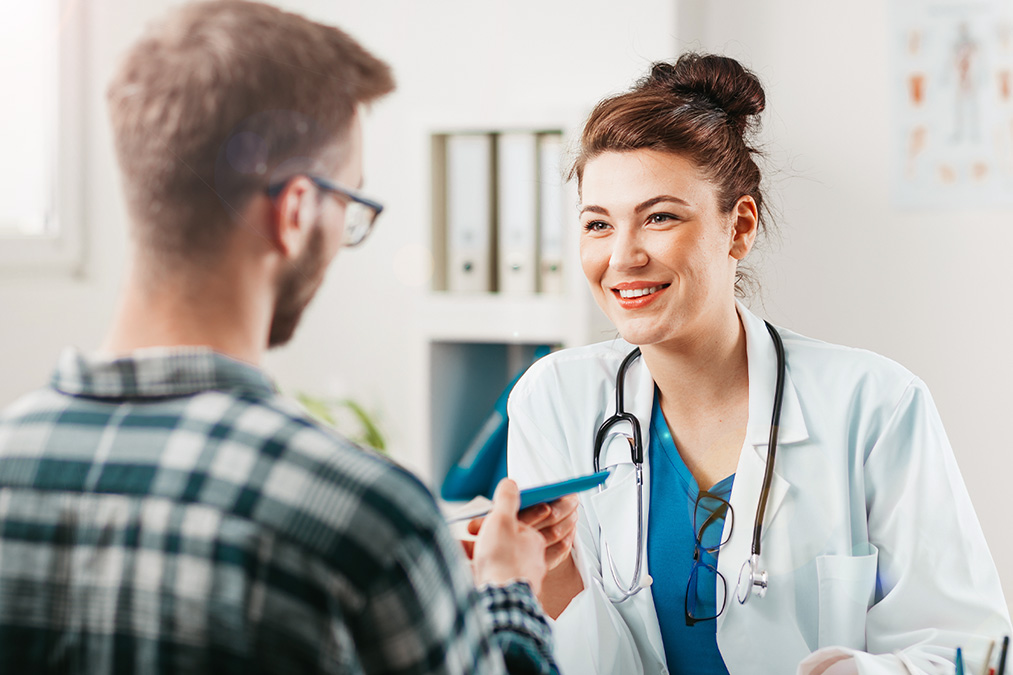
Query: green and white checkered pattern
{"x": 171, "y": 513}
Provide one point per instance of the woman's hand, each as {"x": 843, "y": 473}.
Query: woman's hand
{"x": 555, "y": 521}
{"x": 507, "y": 548}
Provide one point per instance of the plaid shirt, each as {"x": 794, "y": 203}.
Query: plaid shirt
{"x": 171, "y": 513}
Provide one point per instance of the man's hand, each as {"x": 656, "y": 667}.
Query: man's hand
{"x": 557, "y": 523}
{"x": 506, "y": 547}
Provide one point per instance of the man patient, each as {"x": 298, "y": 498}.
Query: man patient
{"x": 162, "y": 508}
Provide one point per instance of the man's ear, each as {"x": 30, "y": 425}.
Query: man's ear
{"x": 295, "y": 209}
{"x": 745, "y": 221}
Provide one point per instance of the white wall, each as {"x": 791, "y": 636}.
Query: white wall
{"x": 456, "y": 62}
{"x": 42, "y": 311}
{"x": 924, "y": 287}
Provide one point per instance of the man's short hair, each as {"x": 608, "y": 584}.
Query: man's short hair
{"x": 220, "y": 99}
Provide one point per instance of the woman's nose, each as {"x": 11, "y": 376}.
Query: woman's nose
{"x": 628, "y": 251}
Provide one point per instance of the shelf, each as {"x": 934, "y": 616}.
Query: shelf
{"x": 477, "y": 340}
{"x": 493, "y": 317}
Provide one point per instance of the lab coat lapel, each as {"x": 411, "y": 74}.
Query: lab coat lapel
{"x": 749, "y": 474}
{"x": 762, "y": 363}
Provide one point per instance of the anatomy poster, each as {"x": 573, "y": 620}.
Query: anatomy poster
{"x": 953, "y": 85}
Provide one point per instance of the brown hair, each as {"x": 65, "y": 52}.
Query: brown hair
{"x": 703, "y": 107}
{"x": 217, "y": 99}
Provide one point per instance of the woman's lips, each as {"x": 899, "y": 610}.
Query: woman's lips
{"x": 630, "y": 296}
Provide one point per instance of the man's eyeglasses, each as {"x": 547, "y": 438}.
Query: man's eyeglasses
{"x": 360, "y": 211}
{"x": 709, "y": 513}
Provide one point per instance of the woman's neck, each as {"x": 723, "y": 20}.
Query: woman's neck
{"x": 705, "y": 369}
{"x": 703, "y": 387}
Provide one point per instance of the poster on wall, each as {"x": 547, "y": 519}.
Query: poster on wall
{"x": 953, "y": 89}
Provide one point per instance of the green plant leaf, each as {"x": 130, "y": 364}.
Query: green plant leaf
{"x": 325, "y": 411}
{"x": 371, "y": 434}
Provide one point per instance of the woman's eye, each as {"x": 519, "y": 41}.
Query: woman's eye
{"x": 661, "y": 218}
{"x": 595, "y": 226}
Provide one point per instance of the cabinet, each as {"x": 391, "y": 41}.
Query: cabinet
{"x": 477, "y": 341}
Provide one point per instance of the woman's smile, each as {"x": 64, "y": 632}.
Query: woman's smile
{"x": 637, "y": 295}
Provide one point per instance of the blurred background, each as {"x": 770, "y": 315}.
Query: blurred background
{"x": 872, "y": 244}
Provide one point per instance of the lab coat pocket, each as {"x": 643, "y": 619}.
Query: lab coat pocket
{"x": 616, "y": 510}
{"x": 847, "y": 585}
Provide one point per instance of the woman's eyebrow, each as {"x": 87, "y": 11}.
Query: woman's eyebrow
{"x": 640, "y": 207}
{"x": 661, "y": 198}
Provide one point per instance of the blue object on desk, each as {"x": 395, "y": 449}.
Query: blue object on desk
{"x": 484, "y": 463}
{"x": 960, "y": 662}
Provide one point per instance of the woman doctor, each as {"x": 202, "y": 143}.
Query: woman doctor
{"x": 874, "y": 558}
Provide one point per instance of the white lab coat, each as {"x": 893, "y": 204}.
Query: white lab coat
{"x": 871, "y": 544}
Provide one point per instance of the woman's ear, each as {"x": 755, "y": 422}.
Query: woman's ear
{"x": 745, "y": 221}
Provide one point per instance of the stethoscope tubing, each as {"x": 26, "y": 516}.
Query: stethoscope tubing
{"x": 621, "y": 415}
{"x": 775, "y": 424}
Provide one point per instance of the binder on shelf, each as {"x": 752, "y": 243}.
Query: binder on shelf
{"x": 469, "y": 212}
{"x": 551, "y": 213}
{"x": 517, "y": 211}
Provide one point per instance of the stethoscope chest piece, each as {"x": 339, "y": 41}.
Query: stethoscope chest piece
{"x": 751, "y": 578}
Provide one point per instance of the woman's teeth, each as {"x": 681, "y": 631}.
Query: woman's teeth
{"x": 638, "y": 292}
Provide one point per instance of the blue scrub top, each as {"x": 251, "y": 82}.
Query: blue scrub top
{"x": 671, "y": 541}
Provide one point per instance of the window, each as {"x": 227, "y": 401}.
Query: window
{"x": 40, "y": 134}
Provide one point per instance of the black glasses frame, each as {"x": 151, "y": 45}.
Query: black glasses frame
{"x": 691, "y": 585}
{"x": 352, "y": 194}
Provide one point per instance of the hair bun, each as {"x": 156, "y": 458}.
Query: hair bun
{"x": 721, "y": 81}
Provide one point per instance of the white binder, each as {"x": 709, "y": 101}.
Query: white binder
{"x": 517, "y": 206}
{"x": 469, "y": 212}
{"x": 551, "y": 213}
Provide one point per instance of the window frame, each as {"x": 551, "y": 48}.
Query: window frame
{"x": 62, "y": 250}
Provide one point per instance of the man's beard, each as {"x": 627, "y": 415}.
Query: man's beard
{"x": 296, "y": 287}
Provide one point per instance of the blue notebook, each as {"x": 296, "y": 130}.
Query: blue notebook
{"x": 533, "y": 496}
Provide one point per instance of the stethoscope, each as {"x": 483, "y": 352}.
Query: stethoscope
{"x": 751, "y": 577}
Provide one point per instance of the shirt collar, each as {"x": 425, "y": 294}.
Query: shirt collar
{"x": 762, "y": 364}
{"x": 156, "y": 372}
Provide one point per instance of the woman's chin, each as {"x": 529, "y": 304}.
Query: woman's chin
{"x": 640, "y": 335}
